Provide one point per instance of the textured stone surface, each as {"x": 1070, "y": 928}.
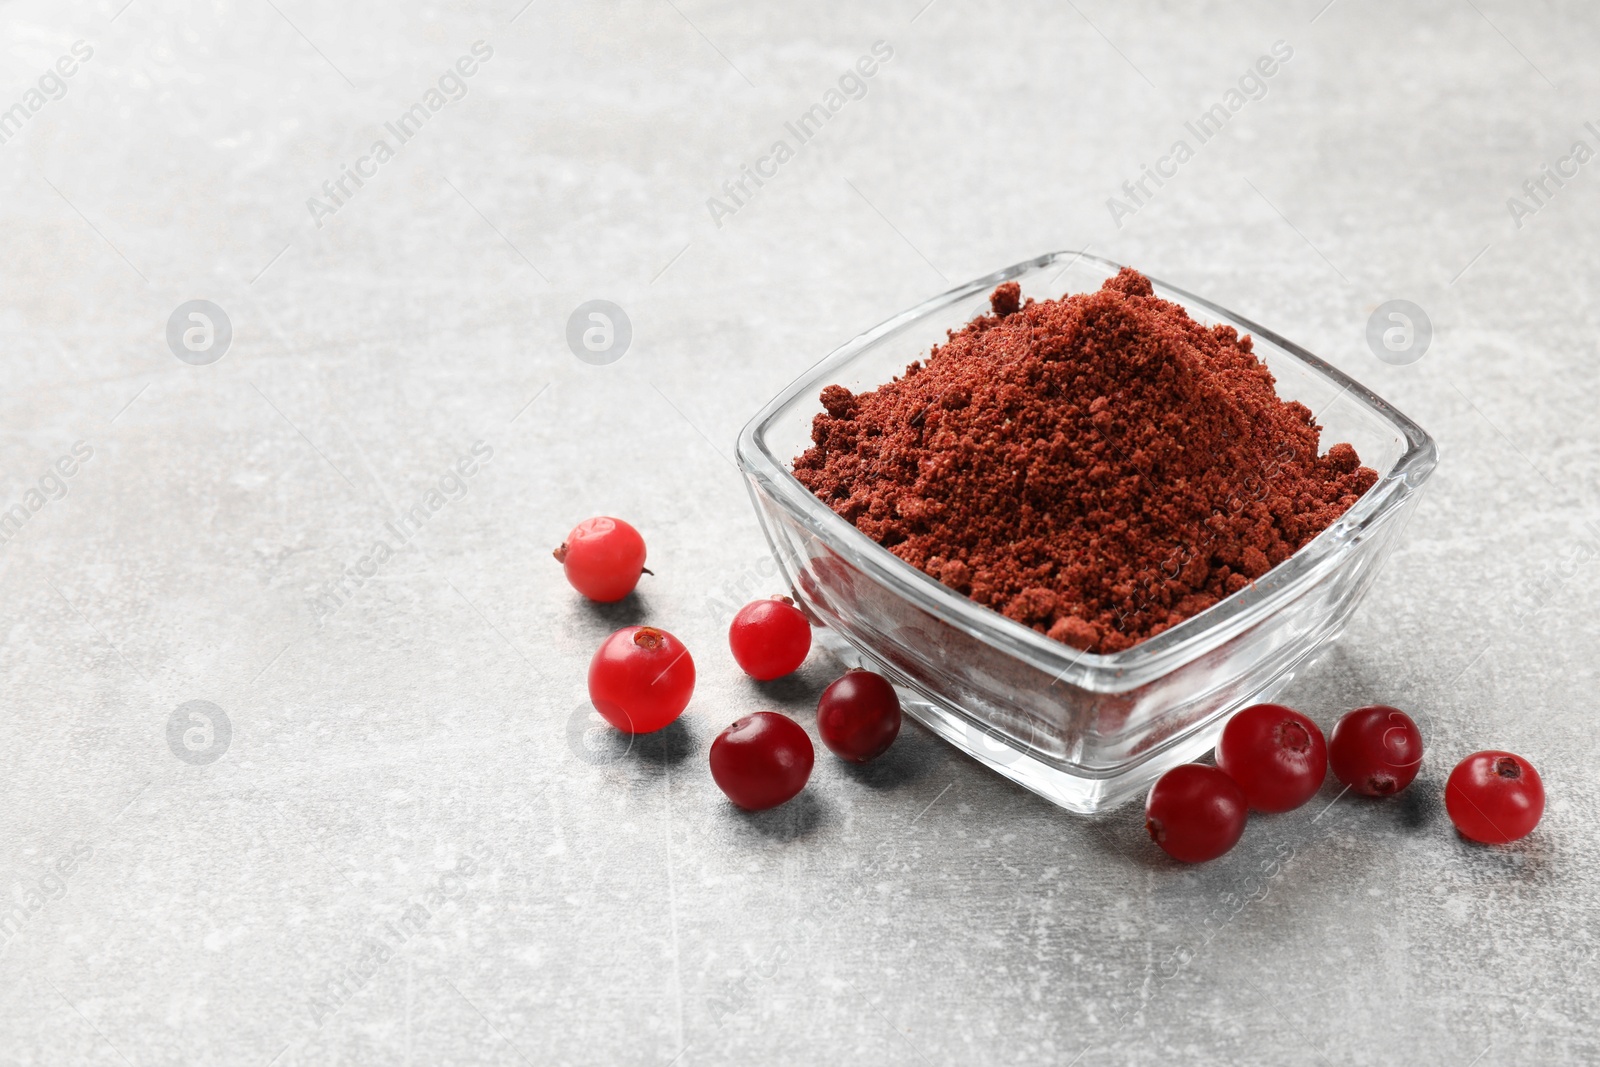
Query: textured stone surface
{"x": 425, "y": 743}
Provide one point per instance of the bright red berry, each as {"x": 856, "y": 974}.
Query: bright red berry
{"x": 762, "y": 760}
{"x": 769, "y": 638}
{"x": 1195, "y": 813}
{"x": 1494, "y": 797}
{"x": 1276, "y": 755}
{"x": 603, "y": 558}
{"x": 1376, "y": 750}
{"x": 641, "y": 679}
{"x": 859, "y": 716}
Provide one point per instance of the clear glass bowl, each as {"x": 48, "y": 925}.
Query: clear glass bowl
{"x": 1085, "y": 731}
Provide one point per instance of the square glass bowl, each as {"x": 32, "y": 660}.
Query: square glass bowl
{"x": 1085, "y": 731}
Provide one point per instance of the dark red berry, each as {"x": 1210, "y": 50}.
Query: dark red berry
{"x": 1494, "y": 797}
{"x": 1376, "y": 750}
{"x": 769, "y": 638}
{"x": 1195, "y": 813}
{"x": 1276, "y": 755}
{"x": 859, "y": 716}
{"x": 762, "y": 760}
{"x": 603, "y": 558}
{"x": 641, "y": 679}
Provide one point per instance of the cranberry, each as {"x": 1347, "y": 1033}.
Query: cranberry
{"x": 603, "y": 558}
{"x": 762, "y": 760}
{"x": 859, "y": 716}
{"x": 1494, "y": 797}
{"x": 1195, "y": 813}
{"x": 1275, "y": 754}
{"x": 1376, "y": 750}
{"x": 641, "y": 679}
{"x": 769, "y": 638}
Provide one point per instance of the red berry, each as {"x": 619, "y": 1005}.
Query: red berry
{"x": 641, "y": 679}
{"x": 762, "y": 760}
{"x": 1275, "y": 754}
{"x": 1494, "y": 797}
{"x": 1195, "y": 813}
{"x": 859, "y": 716}
{"x": 769, "y": 638}
{"x": 1376, "y": 750}
{"x": 603, "y": 558}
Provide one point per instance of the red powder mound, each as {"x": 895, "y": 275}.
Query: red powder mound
{"x": 1099, "y": 467}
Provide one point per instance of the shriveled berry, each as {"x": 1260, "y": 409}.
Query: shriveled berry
{"x": 603, "y": 558}
{"x": 859, "y": 716}
{"x": 1195, "y": 813}
{"x": 762, "y": 760}
{"x": 1276, "y": 755}
{"x": 641, "y": 679}
{"x": 769, "y": 638}
{"x": 1494, "y": 797}
{"x": 1375, "y": 750}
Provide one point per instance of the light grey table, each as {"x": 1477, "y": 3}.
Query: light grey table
{"x": 412, "y": 846}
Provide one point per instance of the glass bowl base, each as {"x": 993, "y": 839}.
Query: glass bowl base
{"x": 1073, "y": 789}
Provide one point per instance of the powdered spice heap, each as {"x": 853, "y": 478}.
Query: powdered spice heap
{"x": 1099, "y": 467}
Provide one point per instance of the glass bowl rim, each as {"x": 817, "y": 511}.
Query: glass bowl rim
{"x": 1155, "y": 656}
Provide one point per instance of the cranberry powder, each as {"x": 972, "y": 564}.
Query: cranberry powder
{"x": 1099, "y": 467}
